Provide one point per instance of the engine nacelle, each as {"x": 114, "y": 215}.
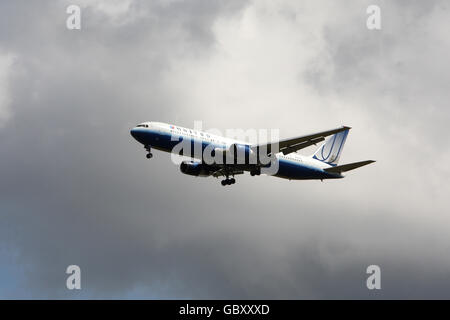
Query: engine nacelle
{"x": 195, "y": 169}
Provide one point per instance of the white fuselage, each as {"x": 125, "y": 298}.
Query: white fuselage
{"x": 165, "y": 137}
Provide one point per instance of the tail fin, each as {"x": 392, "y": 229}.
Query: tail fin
{"x": 331, "y": 150}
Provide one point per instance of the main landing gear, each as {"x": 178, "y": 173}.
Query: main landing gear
{"x": 149, "y": 154}
{"x": 228, "y": 181}
{"x": 255, "y": 172}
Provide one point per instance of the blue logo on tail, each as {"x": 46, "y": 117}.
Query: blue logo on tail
{"x": 331, "y": 150}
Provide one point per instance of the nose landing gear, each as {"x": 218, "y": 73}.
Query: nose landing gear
{"x": 149, "y": 154}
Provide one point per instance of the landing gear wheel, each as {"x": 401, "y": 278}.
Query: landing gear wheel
{"x": 228, "y": 182}
{"x": 149, "y": 154}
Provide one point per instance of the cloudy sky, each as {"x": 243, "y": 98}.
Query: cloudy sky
{"x": 75, "y": 188}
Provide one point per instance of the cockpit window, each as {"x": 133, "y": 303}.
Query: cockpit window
{"x": 142, "y": 125}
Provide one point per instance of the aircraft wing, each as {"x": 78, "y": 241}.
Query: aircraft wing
{"x": 287, "y": 146}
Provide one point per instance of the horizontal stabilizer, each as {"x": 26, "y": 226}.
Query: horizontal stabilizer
{"x": 348, "y": 167}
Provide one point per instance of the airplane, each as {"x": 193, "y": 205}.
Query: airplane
{"x": 283, "y": 156}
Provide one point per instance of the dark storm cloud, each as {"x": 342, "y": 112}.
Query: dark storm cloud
{"x": 76, "y": 188}
{"x": 77, "y": 95}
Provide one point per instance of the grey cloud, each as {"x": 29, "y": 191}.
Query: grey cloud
{"x": 76, "y": 188}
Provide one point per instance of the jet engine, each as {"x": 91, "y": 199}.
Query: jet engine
{"x": 196, "y": 169}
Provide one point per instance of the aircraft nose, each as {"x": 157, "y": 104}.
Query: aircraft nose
{"x": 138, "y": 134}
{"x": 133, "y": 132}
